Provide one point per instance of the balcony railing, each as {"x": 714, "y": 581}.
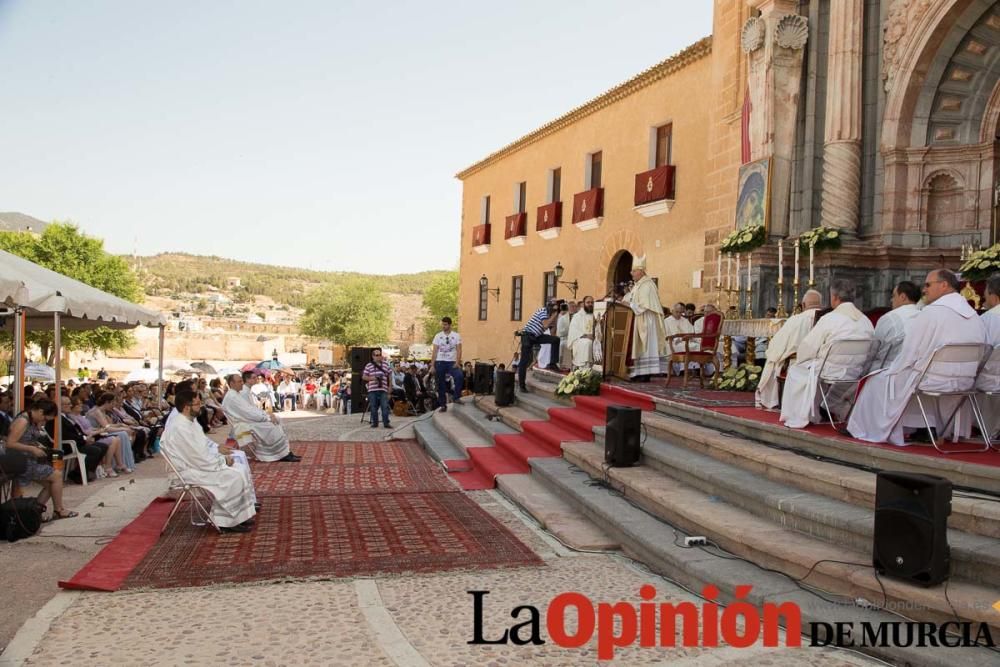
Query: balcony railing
{"x": 588, "y": 208}
{"x": 481, "y": 238}
{"x": 654, "y": 190}
{"x": 515, "y": 228}
{"x": 549, "y": 222}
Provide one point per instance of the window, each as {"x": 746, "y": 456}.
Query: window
{"x": 516, "y": 287}
{"x": 594, "y": 170}
{"x": 549, "y": 286}
{"x": 555, "y": 185}
{"x": 664, "y": 144}
{"x": 483, "y": 294}
{"x": 520, "y": 196}
{"x": 484, "y": 210}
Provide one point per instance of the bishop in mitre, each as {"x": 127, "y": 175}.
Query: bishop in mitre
{"x": 884, "y": 407}
{"x": 581, "y": 334}
{"x": 783, "y": 347}
{"x": 649, "y": 344}
{"x": 183, "y": 442}
{"x": 800, "y": 400}
{"x": 239, "y": 405}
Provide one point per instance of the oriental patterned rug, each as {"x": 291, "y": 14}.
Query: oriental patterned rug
{"x": 394, "y": 452}
{"x": 295, "y": 480}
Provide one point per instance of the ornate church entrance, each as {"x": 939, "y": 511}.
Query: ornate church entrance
{"x": 620, "y": 271}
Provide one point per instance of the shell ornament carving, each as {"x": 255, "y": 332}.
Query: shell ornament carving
{"x": 791, "y": 31}
{"x": 752, "y": 34}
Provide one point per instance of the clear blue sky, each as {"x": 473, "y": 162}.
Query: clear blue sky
{"x": 295, "y": 132}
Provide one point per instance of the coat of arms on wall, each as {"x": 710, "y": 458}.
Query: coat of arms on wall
{"x": 753, "y": 202}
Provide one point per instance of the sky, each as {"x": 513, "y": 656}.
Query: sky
{"x": 311, "y": 133}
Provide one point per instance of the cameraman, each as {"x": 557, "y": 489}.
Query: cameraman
{"x": 532, "y": 334}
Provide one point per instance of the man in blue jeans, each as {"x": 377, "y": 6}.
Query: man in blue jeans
{"x": 447, "y": 359}
{"x": 377, "y": 374}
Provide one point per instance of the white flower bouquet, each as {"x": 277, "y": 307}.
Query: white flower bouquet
{"x": 982, "y": 264}
{"x": 744, "y": 239}
{"x": 821, "y": 238}
{"x": 582, "y": 382}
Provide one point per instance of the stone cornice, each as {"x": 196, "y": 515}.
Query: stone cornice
{"x": 695, "y": 52}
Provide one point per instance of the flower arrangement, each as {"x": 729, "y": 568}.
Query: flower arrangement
{"x": 981, "y": 264}
{"x": 744, "y": 239}
{"x": 821, "y": 238}
{"x": 582, "y": 381}
{"x": 740, "y": 378}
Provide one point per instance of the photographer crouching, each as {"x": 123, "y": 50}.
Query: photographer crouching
{"x": 534, "y": 333}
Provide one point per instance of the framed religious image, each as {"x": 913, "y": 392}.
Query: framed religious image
{"x": 753, "y": 205}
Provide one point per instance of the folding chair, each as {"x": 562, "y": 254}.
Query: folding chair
{"x": 954, "y": 355}
{"x": 245, "y": 438}
{"x": 885, "y": 352}
{"x": 75, "y": 456}
{"x": 200, "y": 515}
{"x": 853, "y": 353}
{"x": 988, "y": 384}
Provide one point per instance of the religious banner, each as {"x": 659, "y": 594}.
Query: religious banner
{"x": 481, "y": 235}
{"x": 753, "y": 204}
{"x": 654, "y": 185}
{"x": 515, "y": 225}
{"x": 549, "y": 216}
{"x": 588, "y": 205}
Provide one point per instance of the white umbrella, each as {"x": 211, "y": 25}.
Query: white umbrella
{"x": 40, "y": 372}
{"x": 142, "y": 375}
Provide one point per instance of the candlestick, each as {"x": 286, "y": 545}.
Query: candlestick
{"x": 749, "y": 286}
{"x": 737, "y": 272}
{"x": 796, "y": 261}
{"x": 781, "y": 260}
{"x": 718, "y": 271}
{"x": 729, "y": 272}
{"x": 812, "y": 250}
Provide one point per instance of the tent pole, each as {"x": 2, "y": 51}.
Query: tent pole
{"x": 18, "y": 354}
{"x": 57, "y": 358}
{"x": 159, "y": 374}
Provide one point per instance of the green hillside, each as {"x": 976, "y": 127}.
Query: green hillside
{"x": 180, "y": 272}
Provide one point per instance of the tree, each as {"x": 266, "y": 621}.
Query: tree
{"x": 441, "y": 299}
{"x": 63, "y": 248}
{"x": 352, "y": 313}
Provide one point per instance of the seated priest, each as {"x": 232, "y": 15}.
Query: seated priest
{"x": 989, "y": 379}
{"x": 581, "y": 335}
{"x": 800, "y": 400}
{"x": 184, "y": 443}
{"x": 884, "y": 410}
{"x": 240, "y": 407}
{"x": 783, "y": 346}
{"x": 892, "y": 326}
{"x": 676, "y": 325}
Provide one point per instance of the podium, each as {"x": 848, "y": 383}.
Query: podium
{"x": 617, "y": 330}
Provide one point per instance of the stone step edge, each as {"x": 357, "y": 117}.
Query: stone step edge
{"x": 454, "y": 432}
{"x": 475, "y": 418}
{"x": 758, "y": 542}
{"x": 430, "y": 436}
{"x": 637, "y": 532}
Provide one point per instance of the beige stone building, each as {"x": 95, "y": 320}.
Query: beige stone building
{"x": 878, "y": 117}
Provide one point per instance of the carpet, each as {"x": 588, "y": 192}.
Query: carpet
{"x": 321, "y": 480}
{"x": 395, "y": 452}
{"x": 335, "y": 536}
{"x": 693, "y": 395}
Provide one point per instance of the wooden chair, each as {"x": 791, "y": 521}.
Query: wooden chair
{"x": 707, "y": 341}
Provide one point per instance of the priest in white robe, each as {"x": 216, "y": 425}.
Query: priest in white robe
{"x": 677, "y": 324}
{"x": 892, "y": 327}
{"x": 885, "y": 406}
{"x": 240, "y": 407}
{"x": 800, "y": 400}
{"x": 783, "y": 346}
{"x": 649, "y": 343}
{"x": 580, "y": 338}
{"x": 989, "y": 379}
{"x": 183, "y": 442}
{"x": 562, "y": 330}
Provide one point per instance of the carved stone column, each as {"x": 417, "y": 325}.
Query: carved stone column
{"x": 842, "y": 136}
{"x": 774, "y": 44}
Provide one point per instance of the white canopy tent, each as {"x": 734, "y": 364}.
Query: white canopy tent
{"x": 36, "y": 298}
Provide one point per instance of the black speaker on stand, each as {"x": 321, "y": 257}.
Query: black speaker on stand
{"x": 359, "y": 358}
{"x": 621, "y": 436}
{"x": 482, "y": 378}
{"x": 504, "y": 392}
{"x": 911, "y": 527}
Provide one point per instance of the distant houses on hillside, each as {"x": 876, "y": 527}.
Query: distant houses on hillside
{"x": 13, "y": 221}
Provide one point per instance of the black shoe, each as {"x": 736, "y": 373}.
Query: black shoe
{"x": 242, "y": 528}
{"x": 374, "y": 425}
{"x": 387, "y": 425}
{"x": 553, "y": 367}
{"x": 524, "y": 389}
{"x": 249, "y": 522}
{"x": 443, "y": 408}
{"x": 291, "y": 458}
{"x": 257, "y": 507}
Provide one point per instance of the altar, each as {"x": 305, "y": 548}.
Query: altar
{"x": 752, "y": 329}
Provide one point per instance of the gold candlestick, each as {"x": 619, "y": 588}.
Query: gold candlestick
{"x": 749, "y": 314}
{"x": 781, "y": 300}
{"x": 797, "y": 308}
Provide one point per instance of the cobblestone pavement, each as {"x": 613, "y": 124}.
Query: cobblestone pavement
{"x": 404, "y": 620}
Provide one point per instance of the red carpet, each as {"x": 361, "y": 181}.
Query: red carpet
{"x": 112, "y": 564}
{"x": 301, "y": 480}
{"x": 394, "y": 452}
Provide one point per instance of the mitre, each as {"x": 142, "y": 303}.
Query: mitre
{"x": 639, "y": 263}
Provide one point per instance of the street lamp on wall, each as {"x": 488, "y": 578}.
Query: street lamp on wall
{"x": 484, "y": 285}
{"x": 573, "y": 286}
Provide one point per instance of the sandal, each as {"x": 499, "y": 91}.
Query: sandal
{"x": 65, "y": 514}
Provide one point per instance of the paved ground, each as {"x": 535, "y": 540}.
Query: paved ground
{"x": 411, "y": 620}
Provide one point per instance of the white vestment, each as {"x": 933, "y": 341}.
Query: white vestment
{"x": 649, "y": 345}
{"x": 544, "y": 353}
{"x": 675, "y": 346}
{"x": 891, "y": 329}
{"x": 272, "y": 444}
{"x": 800, "y": 400}
{"x": 562, "y": 330}
{"x": 885, "y": 407}
{"x": 188, "y": 449}
{"x": 582, "y": 348}
{"x": 989, "y": 379}
{"x": 782, "y": 346}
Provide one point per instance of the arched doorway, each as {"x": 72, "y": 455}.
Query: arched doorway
{"x": 620, "y": 269}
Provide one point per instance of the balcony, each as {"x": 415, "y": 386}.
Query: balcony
{"x": 588, "y": 209}
{"x": 481, "y": 239}
{"x": 549, "y": 222}
{"x": 515, "y": 229}
{"x": 654, "y": 191}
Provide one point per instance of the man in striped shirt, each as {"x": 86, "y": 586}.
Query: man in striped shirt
{"x": 378, "y": 374}
{"x": 533, "y": 334}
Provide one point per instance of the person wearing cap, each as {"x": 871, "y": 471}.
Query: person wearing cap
{"x": 649, "y": 343}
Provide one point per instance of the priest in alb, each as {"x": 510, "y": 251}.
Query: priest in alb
{"x": 239, "y": 405}
{"x": 783, "y": 346}
{"x": 649, "y": 344}
{"x": 183, "y": 442}
{"x": 800, "y": 400}
{"x": 891, "y": 327}
{"x": 989, "y": 379}
{"x": 884, "y": 408}
{"x": 581, "y": 335}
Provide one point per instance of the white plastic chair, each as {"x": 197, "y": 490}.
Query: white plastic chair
{"x": 852, "y": 353}
{"x": 955, "y": 355}
{"x": 989, "y": 376}
{"x": 199, "y": 513}
{"x": 75, "y": 456}
{"x": 886, "y": 352}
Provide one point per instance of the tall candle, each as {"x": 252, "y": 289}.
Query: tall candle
{"x": 812, "y": 248}
{"x": 718, "y": 271}
{"x": 796, "y": 260}
{"x": 729, "y": 272}
{"x": 737, "y": 272}
{"x": 749, "y": 272}
{"x": 781, "y": 259}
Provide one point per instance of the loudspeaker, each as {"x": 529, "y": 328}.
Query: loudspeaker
{"x": 482, "y": 379}
{"x": 359, "y": 358}
{"x": 911, "y": 527}
{"x": 621, "y": 437}
{"x": 504, "y": 394}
